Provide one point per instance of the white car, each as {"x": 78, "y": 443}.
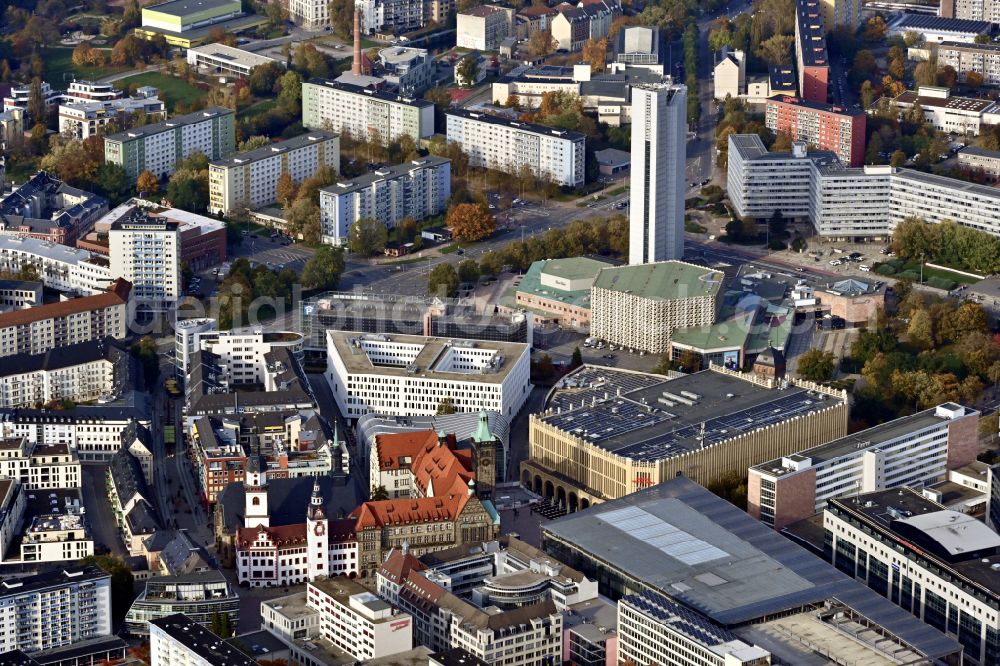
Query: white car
{"x": 835, "y": 262}
{"x": 864, "y": 269}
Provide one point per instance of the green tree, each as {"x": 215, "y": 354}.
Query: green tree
{"x": 468, "y": 70}
{"x": 920, "y": 331}
{"x": 290, "y": 95}
{"x": 577, "y": 360}
{"x": 379, "y": 493}
{"x": 443, "y": 280}
{"x": 776, "y": 50}
{"x": 367, "y": 236}
{"x": 468, "y": 270}
{"x": 446, "y": 406}
{"x": 254, "y": 142}
{"x": 145, "y": 351}
{"x": 324, "y": 268}
{"x": 113, "y": 182}
{"x": 816, "y": 365}
{"x": 121, "y": 582}
{"x": 188, "y": 190}
{"x": 303, "y": 220}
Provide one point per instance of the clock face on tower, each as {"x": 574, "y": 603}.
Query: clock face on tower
{"x": 320, "y": 529}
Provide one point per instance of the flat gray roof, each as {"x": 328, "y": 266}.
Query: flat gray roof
{"x": 681, "y": 540}
{"x": 274, "y": 149}
{"x": 627, "y": 412}
{"x": 171, "y": 124}
{"x": 864, "y": 439}
{"x": 188, "y": 7}
{"x": 356, "y": 360}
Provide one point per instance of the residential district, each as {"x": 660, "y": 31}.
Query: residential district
{"x": 438, "y": 333}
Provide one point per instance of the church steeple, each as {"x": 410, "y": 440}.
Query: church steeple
{"x": 255, "y": 488}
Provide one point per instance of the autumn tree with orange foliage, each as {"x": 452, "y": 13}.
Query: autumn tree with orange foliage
{"x": 595, "y": 52}
{"x": 471, "y": 222}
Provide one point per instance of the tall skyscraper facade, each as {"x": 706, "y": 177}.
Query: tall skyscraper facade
{"x": 659, "y": 151}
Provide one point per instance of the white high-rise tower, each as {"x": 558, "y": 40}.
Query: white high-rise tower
{"x": 659, "y": 152}
{"x": 317, "y": 536}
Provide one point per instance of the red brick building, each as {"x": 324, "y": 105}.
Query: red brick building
{"x": 811, "y": 57}
{"x": 823, "y": 126}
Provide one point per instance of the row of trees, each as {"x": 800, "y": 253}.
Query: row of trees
{"x": 947, "y": 243}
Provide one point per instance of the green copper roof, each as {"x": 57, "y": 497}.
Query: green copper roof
{"x": 666, "y": 280}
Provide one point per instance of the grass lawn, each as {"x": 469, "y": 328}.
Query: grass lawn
{"x": 258, "y": 109}
{"x": 172, "y": 89}
{"x": 912, "y": 269}
{"x": 59, "y": 67}
{"x": 22, "y": 170}
{"x": 618, "y": 190}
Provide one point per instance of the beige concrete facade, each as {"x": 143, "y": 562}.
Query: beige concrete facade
{"x": 570, "y": 469}
{"x": 641, "y": 323}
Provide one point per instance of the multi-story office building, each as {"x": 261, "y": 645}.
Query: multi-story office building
{"x": 158, "y": 147}
{"x": 680, "y": 541}
{"x": 39, "y": 466}
{"x": 853, "y": 203}
{"x": 445, "y": 617}
{"x": 364, "y": 113}
{"x": 761, "y": 182}
{"x": 310, "y": 14}
{"x": 412, "y": 374}
{"x": 639, "y": 306}
{"x": 993, "y": 498}
{"x": 507, "y": 145}
{"x": 54, "y": 608}
{"x": 79, "y": 372}
{"x": 223, "y": 59}
{"x": 937, "y": 564}
{"x": 911, "y": 451}
{"x": 199, "y": 595}
{"x": 145, "y": 249}
{"x": 980, "y": 159}
{"x": 357, "y": 621}
{"x": 44, "y": 327}
{"x": 82, "y": 120}
{"x": 249, "y": 180}
{"x": 482, "y": 28}
{"x": 819, "y": 124}
{"x": 609, "y": 433}
{"x": 177, "y": 640}
{"x": 659, "y": 151}
{"x": 410, "y": 71}
{"x": 185, "y": 23}
{"x": 984, "y": 59}
{"x": 959, "y": 115}
{"x": 417, "y": 190}
{"x": 402, "y": 16}
{"x": 59, "y": 267}
{"x": 810, "y": 50}
{"x": 970, "y": 10}
{"x": 19, "y": 295}
{"x": 95, "y": 432}
{"x": 652, "y": 629}
{"x": 201, "y": 240}
{"x": 837, "y": 13}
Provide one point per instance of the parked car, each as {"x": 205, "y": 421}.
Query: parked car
{"x": 836, "y": 262}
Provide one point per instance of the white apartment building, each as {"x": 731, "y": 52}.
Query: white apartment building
{"x": 223, "y": 59}
{"x": 730, "y": 79}
{"x": 310, "y": 14}
{"x": 146, "y": 251}
{"x": 158, "y": 147}
{"x": 13, "y": 500}
{"x": 865, "y": 202}
{"x": 43, "y": 327}
{"x": 364, "y": 112}
{"x": 971, "y": 10}
{"x": 506, "y": 145}
{"x": 638, "y": 307}
{"x": 19, "y": 96}
{"x": 937, "y": 564}
{"x": 974, "y": 157}
{"x": 249, "y": 180}
{"x": 81, "y": 120}
{"x": 177, "y": 640}
{"x": 983, "y": 59}
{"x": 39, "y": 466}
{"x": 659, "y": 154}
{"x": 652, "y": 629}
{"x": 356, "y": 621}
{"x": 482, "y": 28}
{"x": 54, "y": 608}
{"x": 82, "y": 372}
{"x": 20, "y": 295}
{"x": 88, "y": 91}
{"x": 55, "y": 537}
{"x": 946, "y": 113}
{"x": 187, "y": 340}
{"x": 59, "y": 267}
{"x": 402, "y": 16}
{"x": 94, "y": 432}
{"x": 412, "y": 374}
{"x": 913, "y": 451}
{"x": 417, "y": 189}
